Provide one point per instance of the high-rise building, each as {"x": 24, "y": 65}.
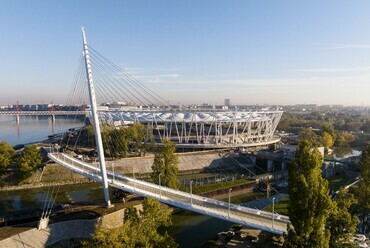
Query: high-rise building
{"x": 227, "y": 102}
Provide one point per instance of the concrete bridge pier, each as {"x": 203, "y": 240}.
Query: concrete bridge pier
{"x": 53, "y": 118}
{"x": 17, "y": 119}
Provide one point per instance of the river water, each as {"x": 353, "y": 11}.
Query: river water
{"x": 31, "y": 129}
{"x": 189, "y": 229}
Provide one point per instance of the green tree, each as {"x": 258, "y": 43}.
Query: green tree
{"x": 140, "y": 136}
{"x": 366, "y": 126}
{"x": 310, "y": 204}
{"x": 308, "y": 134}
{"x": 119, "y": 142}
{"x": 327, "y": 140}
{"x": 363, "y": 191}
{"x": 285, "y": 121}
{"x": 139, "y": 229}
{"x": 6, "y": 155}
{"x": 131, "y": 214}
{"x": 166, "y": 165}
{"x": 88, "y": 136}
{"x": 29, "y": 160}
{"x": 328, "y": 128}
{"x": 341, "y": 223}
{"x": 343, "y": 138}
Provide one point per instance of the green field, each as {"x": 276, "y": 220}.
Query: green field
{"x": 281, "y": 207}
{"x": 336, "y": 182}
{"x": 213, "y": 187}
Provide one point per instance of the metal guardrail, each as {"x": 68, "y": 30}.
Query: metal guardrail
{"x": 263, "y": 220}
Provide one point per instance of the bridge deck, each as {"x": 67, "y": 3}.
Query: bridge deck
{"x": 238, "y": 214}
{"x": 40, "y": 113}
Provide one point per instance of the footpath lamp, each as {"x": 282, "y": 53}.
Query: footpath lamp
{"x": 228, "y": 213}
{"x": 191, "y": 193}
{"x": 273, "y": 211}
{"x": 113, "y": 171}
{"x": 159, "y": 184}
{"x": 133, "y": 174}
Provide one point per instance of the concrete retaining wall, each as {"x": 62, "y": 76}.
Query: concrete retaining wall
{"x": 188, "y": 162}
{"x": 62, "y": 231}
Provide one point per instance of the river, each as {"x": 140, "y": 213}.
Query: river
{"x": 189, "y": 229}
{"x": 31, "y": 129}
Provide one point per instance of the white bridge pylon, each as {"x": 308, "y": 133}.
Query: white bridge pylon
{"x": 263, "y": 220}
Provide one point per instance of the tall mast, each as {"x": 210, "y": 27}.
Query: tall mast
{"x": 95, "y": 118}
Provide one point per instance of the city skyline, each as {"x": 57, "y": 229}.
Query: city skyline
{"x": 251, "y": 52}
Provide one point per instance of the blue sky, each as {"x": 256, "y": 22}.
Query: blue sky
{"x": 253, "y": 52}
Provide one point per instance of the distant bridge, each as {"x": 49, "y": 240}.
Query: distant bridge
{"x": 267, "y": 221}
{"x": 42, "y": 113}
{"x": 341, "y": 161}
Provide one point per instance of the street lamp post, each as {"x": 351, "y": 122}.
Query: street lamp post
{"x": 191, "y": 193}
{"x": 228, "y": 213}
{"x": 159, "y": 184}
{"x": 273, "y": 211}
{"x": 113, "y": 171}
{"x": 133, "y": 173}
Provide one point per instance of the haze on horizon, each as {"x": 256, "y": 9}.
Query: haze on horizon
{"x": 252, "y": 52}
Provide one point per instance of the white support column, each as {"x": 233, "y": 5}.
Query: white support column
{"x": 95, "y": 118}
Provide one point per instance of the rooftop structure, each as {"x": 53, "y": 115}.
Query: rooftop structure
{"x": 190, "y": 129}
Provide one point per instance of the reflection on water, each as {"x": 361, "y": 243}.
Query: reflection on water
{"x": 192, "y": 230}
{"x": 34, "y": 128}
{"x": 85, "y": 195}
{"x": 345, "y": 152}
{"x": 189, "y": 229}
{"x": 18, "y": 200}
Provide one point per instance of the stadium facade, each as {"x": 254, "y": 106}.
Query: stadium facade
{"x": 202, "y": 130}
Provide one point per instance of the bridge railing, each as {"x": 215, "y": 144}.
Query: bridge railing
{"x": 210, "y": 207}
{"x": 58, "y": 112}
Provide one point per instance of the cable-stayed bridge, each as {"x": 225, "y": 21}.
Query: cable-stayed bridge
{"x": 267, "y": 221}
{"x": 43, "y": 113}
{"x": 233, "y": 130}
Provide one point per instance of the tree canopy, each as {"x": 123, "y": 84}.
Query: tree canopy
{"x": 166, "y": 165}
{"x": 29, "y": 160}
{"x": 6, "y": 154}
{"x": 118, "y": 141}
{"x": 308, "y": 134}
{"x": 140, "y": 229}
{"x": 363, "y": 192}
{"x": 343, "y": 138}
{"x": 327, "y": 140}
{"x": 341, "y": 223}
{"x": 310, "y": 204}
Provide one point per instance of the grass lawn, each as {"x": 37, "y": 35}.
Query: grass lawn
{"x": 336, "y": 182}
{"x": 281, "y": 207}
{"x": 213, "y": 187}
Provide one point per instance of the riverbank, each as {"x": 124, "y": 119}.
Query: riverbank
{"x": 77, "y": 211}
{"x": 51, "y": 174}
{"x": 66, "y": 227}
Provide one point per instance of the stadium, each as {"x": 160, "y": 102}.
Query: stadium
{"x": 202, "y": 130}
